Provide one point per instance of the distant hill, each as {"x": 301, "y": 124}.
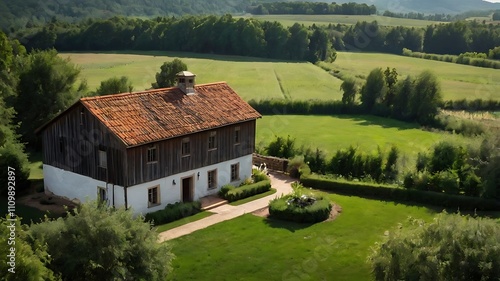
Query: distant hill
{"x": 429, "y": 6}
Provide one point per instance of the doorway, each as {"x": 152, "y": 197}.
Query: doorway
{"x": 187, "y": 189}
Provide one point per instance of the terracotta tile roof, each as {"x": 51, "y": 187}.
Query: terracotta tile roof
{"x": 148, "y": 116}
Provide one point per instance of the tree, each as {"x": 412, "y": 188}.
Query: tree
{"x": 100, "y": 243}
{"x": 298, "y": 42}
{"x": 391, "y": 78}
{"x": 350, "y": 90}
{"x": 373, "y": 90}
{"x": 114, "y": 85}
{"x": 166, "y": 77}
{"x": 30, "y": 260}
{"x": 46, "y": 87}
{"x": 452, "y": 247}
{"x": 426, "y": 98}
{"x": 403, "y": 95}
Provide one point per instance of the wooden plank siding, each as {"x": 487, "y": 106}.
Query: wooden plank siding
{"x": 72, "y": 142}
{"x": 170, "y": 158}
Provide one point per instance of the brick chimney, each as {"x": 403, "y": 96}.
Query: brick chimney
{"x": 185, "y": 82}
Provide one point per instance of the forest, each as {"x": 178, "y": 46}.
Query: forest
{"x": 308, "y": 8}
{"x": 249, "y": 37}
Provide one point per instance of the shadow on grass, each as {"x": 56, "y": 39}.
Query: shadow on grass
{"x": 371, "y": 120}
{"x": 288, "y": 225}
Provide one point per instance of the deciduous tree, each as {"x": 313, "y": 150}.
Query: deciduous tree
{"x": 114, "y": 85}
{"x": 166, "y": 77}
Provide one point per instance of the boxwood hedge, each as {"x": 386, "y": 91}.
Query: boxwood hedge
{"x": 318, "y": 211}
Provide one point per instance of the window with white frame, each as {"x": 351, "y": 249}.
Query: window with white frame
{"x": 235, "y": 172}
{"x": 103, "y": 159}
{"x": 152, "y": 154}
{"x": 153, "y": 196}
{"x": 212, "y": 179}
{"x": 212, "y": 144}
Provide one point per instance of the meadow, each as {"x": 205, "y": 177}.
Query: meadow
{"x": 254, "y": 248}
{"x": 457, "y": 81}
{"x": 308, "y": 20}
{"x": 251, "y": 78}
{"x": 330, "y": 133}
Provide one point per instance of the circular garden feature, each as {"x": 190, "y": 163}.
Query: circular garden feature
{"x": 300, "y": 206}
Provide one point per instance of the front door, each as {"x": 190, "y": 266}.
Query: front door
{"x": 187, "y": 189}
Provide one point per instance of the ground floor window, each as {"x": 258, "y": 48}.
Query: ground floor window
{"x": 101, "y": 194}
{"x": 212, "y": 179}
{"x": 153, "y": 196}
{"x": 235, "y": 172}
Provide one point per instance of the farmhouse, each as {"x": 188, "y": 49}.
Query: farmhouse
{"x": 146, "y": 149}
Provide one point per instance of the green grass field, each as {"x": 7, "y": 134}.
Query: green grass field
{"x": 308, "y": 20}
{"x": 254, "y": 248}
{"x": 252, "y": 78}
{"x": 457, "y": 81}
{"x": 365, "y": 132}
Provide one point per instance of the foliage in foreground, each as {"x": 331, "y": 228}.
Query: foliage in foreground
{"x": 100, "y": 243}
{"x": 452, "y": 247}
{"x": 29, "y": 261}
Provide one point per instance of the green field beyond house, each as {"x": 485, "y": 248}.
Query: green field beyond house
{"x": 457, "y": 81}
{"x": 252, "y": 78}
{"x": 308, "y": 20}
{"x": 254, "y": 248}
{"x": 330, "y": 133}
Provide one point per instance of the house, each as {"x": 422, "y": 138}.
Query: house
{"x": 143, "y": 150}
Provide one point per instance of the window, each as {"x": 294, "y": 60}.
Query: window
{"x": 235, "y": 172}
{"x": 237, "y": 135}
{"x": 153, "y": 196}
{"x": 212, "y": 179}
{"x": 101, "y": 194}
{"x": 152, "y": 154}
{"x": 212, "y": 141}
{"x": 182, "y": 80}
{"x": 186, "y": 147}
{"x": 61, "y": 144}
{"x": 103, "y": 159}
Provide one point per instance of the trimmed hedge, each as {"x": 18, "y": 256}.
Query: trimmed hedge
{"x": 384, "y": 192}
{"x": 231, "y": 193}
{"x": 318, "y": 211}
{"x": 173, "y": 212}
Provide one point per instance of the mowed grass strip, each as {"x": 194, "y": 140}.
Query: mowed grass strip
{"x": 330, "y": 133}
{"x": 254, "y": 248}
{"x": 252, "y": 78}
{"x": 457, "y": 81}
{"x": 308, "y": 20}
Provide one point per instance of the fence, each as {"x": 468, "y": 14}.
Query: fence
{"x": 272, "y": 163}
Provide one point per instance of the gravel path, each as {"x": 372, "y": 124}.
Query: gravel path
{"x": 279, "y": 181}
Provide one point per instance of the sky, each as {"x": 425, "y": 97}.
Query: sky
{"x": 493, "y": 1}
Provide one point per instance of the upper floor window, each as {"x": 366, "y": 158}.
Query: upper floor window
{"x": 153, "y": 196}
{"x": 212, "y": 144}
{"x": 185, "y": 147}
{"x": 152, "y": 154}
{"x": 237, "y": 135}
{"x": 103, "y": 159}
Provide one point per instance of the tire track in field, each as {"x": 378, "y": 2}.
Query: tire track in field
{"x": 285, "y": 94}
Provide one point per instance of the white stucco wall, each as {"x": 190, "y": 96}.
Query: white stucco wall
{"x": 75, "y": 186}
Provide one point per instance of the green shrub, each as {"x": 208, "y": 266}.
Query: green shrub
{"x": 384, "y": 192}
{"x": 225, "y": 189}
{"x": 281, "y": 208}
{"x": 234, "y": 194}
{"x": 259, "y": 176}
{"x": 173, "y": 212}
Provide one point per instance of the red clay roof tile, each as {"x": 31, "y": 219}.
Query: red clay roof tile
{"x": 153, "y": 115}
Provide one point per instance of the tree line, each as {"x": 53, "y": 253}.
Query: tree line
{"x": 249, "y": 37}
{"x": 312, "y": 8}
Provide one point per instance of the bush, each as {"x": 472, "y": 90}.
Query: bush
{"x": 234, "y": 194}
{"x": 281, "y": 208}
{"x": 173, "y": 212}
{"x": 452, "y": 247}
{"x": 225, "y": 189}
{"x": 258, "y": 176}
{"x": 385, "y": 192}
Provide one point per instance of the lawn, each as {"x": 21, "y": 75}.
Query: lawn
{"x": 183, "y": 221}
{"x": 457, "y": 81}
{"x": 308, "y": 20}
{"x": 330, "y": 133}
{"x": 253, "y": 248}
{"x": 251, "y": 78}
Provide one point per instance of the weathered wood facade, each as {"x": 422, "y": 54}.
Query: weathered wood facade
{"x": 72, "y": 142}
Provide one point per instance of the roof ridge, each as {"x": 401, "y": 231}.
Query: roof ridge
{"x": 145, "y": 91}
